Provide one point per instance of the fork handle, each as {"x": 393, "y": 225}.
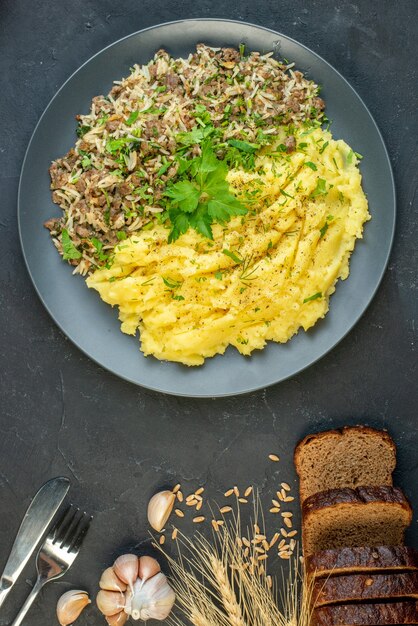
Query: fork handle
{"x": 29, "y": 601}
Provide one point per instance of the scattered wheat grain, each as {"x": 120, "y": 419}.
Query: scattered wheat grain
{"x": 274, "y": 457}
{"x": 179, "y": 512}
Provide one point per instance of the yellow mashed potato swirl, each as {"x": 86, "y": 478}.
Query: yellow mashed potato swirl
{"x": 263, "y": 277}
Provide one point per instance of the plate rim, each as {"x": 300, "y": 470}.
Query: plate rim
{"x": 379, "y": 277}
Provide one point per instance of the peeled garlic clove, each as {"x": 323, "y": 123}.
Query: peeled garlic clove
{"x": 70, "y": 605}
{"x": 126, "y": 568}
{"x": 148, "y": 567}
{"x": 111, "y": 582}
{"x": 159, "y": 509}
{"x": 117, "y": 620}
{"x": 110, "y": 602}
{"x": 153, "y": 599}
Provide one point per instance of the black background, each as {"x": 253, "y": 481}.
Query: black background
{"x": 63, "y": 414}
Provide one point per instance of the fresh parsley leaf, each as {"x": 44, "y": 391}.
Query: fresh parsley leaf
{"x": 311, "y": 165}
{"x": 177, "y": 297}
{"x": 314, "y": 297}
{"x": 195, "y": 136}
{"x": 245, "y": 146}
{"x": 320, "y": 189}
{"x": 114, "y": 145}
{"x": 171, "y": 283}
{"x": 179, "y": 224}
{"x": 185, "y": 194}
{"x": 233, "y": 256}
{"x": 218, "y": 275}
{"x": 68, "y": 248}
{"x": 132, "y": 118}
{"x": 201, "y": 221}
{"x": 82, "y": 130}
{"x": 202, "y": 196}
{"x": 224, "y": 206}
{"x": 121, "y": 235}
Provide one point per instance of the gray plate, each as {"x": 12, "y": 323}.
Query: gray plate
{"x": 92, "y": 325}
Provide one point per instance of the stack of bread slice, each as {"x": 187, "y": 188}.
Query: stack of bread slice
{"x": 353, "y": 528}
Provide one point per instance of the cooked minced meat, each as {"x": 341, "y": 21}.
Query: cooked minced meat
{"x": 132, "y": 141}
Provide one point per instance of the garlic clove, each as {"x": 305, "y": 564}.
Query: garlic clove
{"x": 126, "y": 568}
{"x": 117, "y": 620}
{"x": 111, "y": 582}
{"x": 153, "y": 599}
{"x": 70, "y": 605}
{"x": 159, "y": 509}
{"x": 148, "y": 567}
{"x": 110, "y": 602}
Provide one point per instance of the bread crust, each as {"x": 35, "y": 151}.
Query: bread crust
{"x": 355, "y": 497}
{"x": 340, "y": 432}
{"x": 379, "y": 614}
{"x": 361, "y": 559}
{"x": 336, "y": 437}
{"x": 365, "y": 588}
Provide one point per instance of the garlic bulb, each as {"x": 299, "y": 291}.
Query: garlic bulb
{"x": 70, "y": 605}
{"x": 159, "y": 509}
{"x": 147, "y": 595}
{"x": 152, "y": 599}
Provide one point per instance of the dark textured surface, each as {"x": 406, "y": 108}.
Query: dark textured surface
{"x": 62, "y": 414}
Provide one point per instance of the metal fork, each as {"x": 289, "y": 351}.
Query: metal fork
{"x": 58, "y": 552}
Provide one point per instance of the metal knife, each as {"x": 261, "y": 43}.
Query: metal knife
{"x": 37, "y": 519}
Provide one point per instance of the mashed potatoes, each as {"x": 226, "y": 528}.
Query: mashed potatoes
{"x": 263, "y": 277}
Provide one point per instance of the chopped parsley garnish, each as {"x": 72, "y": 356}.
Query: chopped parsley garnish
{"x": 311, "y": 165}
{"x": 320, "y": 189}
{"x": 218, "y": 275}
{"x": 325, "y": 227}
{"x": 202, "y": 197}
{"x": 324, "y": 147}
{"x": 82, "y": 130}
{"x": 68, "y": 248}
{"x": 132, "y": 118}
{"x": 233, "y": 256}
{"x": 171, "y": 283}
{"x": 314, "y": 297}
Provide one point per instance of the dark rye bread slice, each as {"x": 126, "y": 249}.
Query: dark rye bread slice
{"x": 362, "y": 559}
{"x": 366, "y": 516}
{"x": 365, "y": 588}
{"x": 350, "y": 457}
{"x": 380, "y": 614}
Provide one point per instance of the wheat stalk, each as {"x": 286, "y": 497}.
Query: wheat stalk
{"x": 217, "y": 585}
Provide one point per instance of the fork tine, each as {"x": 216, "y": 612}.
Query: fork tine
{"x": 70, "y": 529}
{"x": 62, "y": 523}
{"x": 80, "y": 532}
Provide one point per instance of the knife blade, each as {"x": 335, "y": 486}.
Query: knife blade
{"x": 34, "y": 524}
